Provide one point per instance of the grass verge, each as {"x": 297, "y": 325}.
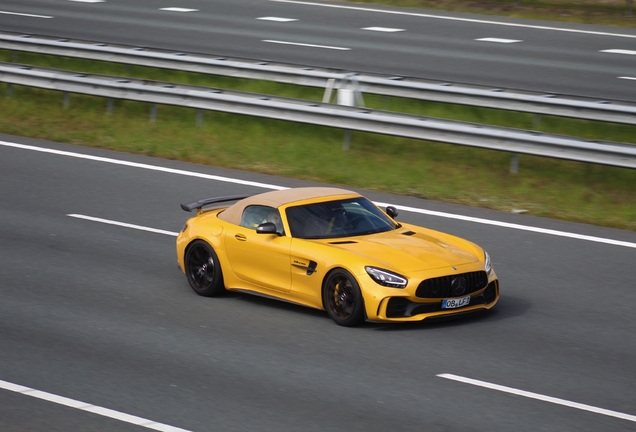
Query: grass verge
{"x": 544, "y": 187}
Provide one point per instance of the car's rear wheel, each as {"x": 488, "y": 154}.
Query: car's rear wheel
{"x": 342, "y": 298}
{"x": 203, "y": 269}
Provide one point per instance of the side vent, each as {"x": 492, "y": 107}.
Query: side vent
{"x": 311, "y": 268}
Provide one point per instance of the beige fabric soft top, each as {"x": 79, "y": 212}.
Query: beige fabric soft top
{"x": 277, "y": 198}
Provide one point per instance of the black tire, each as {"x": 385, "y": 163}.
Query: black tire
{"x": 203, "y": 270}
{"x": 342, "y": 298}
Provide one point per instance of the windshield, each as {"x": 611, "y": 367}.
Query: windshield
{"x": 341, "y": 218}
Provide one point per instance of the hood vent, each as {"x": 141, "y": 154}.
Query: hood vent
{"x": 344, "y": 242}
{"x": 409, "y": 233}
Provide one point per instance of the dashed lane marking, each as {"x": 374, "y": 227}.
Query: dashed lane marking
{"x": 123, "y": 224}
{"x": 619, "y": 51}
{"x": 384, "y": 29}
{"x": 83, "y": 406}
{"x": 498, "y": 40}
{"x": 25, "y": 14}
{"x": 277, "y": 19}
{"x": 178, "y": 9}
{"x": 307, "y": 45}
{"x": 540, "y": 397}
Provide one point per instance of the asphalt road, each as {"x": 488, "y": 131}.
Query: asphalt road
{"x": 541, "y": 56}
{"x": 99, "y": 313}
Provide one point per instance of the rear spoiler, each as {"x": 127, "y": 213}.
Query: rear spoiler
{"x": 207, "y": 201}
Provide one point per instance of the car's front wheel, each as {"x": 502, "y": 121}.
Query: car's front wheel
{"x": 203, "y": 269}
{"x": 342, "y": 298}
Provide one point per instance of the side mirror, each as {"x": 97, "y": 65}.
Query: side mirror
{"x": 392, "y": 211}
{"x": 266, "y": 228}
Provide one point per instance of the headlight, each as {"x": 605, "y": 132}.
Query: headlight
{"x": 386, "y": 278}
{"x": 488, "y": 265}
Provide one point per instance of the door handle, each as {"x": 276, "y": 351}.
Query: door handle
{"x": 240, "y": 237}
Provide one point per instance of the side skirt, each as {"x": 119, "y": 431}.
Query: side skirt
{"x": 260, "y": 294}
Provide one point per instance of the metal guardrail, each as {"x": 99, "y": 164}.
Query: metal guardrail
{"x": 352, "y": 118}
{"x": 506, "y": 99}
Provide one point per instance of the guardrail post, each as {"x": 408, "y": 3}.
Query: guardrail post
{"x": 328, "y": 90}
{"x": 351, "y": 81}
{"x": 199, "y": 117}
{"x": 514, "y": 163}
{"x": 514, "y": 160}
{"x": 109, "y": 106}
{"x": 346, "y": 97}
{"x": 67, "y": 100}
{"x": 9, "y": 90}
{"x": 346, "y": 141}
{"x": 153, "y": 113}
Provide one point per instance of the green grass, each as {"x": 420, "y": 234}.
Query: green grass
{"x": 544, "y": 187}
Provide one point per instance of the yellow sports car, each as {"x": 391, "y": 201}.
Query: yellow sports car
{"x": 333, "y": 249}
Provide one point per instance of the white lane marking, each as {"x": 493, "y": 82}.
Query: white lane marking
{"x": 307, "y": 45}
{"x": 619, "y": 51}
{"x": 142, "y": 166}
{"x": 178, "y": 9}
{"x": 104, "y": 412}
{"x": 540, "y": 397}
{"x": 498, "y": 40}
{"x": 276, "y": 187}
{"x": 88, "y": 1}
{"x": 123, "y": 224}
{"x": 25, "y": 14}
{"x": 383, "y": 29}
{"x": 449, "y": 18}
{"x": 627, "y": 78}
{"x": 277, "y": 19}
{"x": 513, "y": 226}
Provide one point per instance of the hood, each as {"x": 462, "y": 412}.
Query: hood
{"x": 408, "y": 250}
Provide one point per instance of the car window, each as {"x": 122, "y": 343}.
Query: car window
{"x": 340, "y": 218}
{"x": 255, "y": 215}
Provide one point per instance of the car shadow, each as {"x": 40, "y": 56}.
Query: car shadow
{"x": 508, "y": 307}
{"x": 274, "y": 303}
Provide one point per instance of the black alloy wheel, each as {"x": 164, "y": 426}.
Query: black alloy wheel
{"x": 203, "y": 270}
{"x": 342, "y": 299}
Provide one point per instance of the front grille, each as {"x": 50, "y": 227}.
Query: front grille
{"x": 452, "y": 286}
{"x": 400, "y": 307}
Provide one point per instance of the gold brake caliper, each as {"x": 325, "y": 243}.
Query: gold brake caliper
{"x": 336, "y": 291}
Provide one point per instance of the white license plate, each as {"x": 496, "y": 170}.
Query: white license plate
{"x": 455, "y": 302}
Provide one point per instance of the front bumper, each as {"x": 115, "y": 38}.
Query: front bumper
{"x": 390, "y": 304}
